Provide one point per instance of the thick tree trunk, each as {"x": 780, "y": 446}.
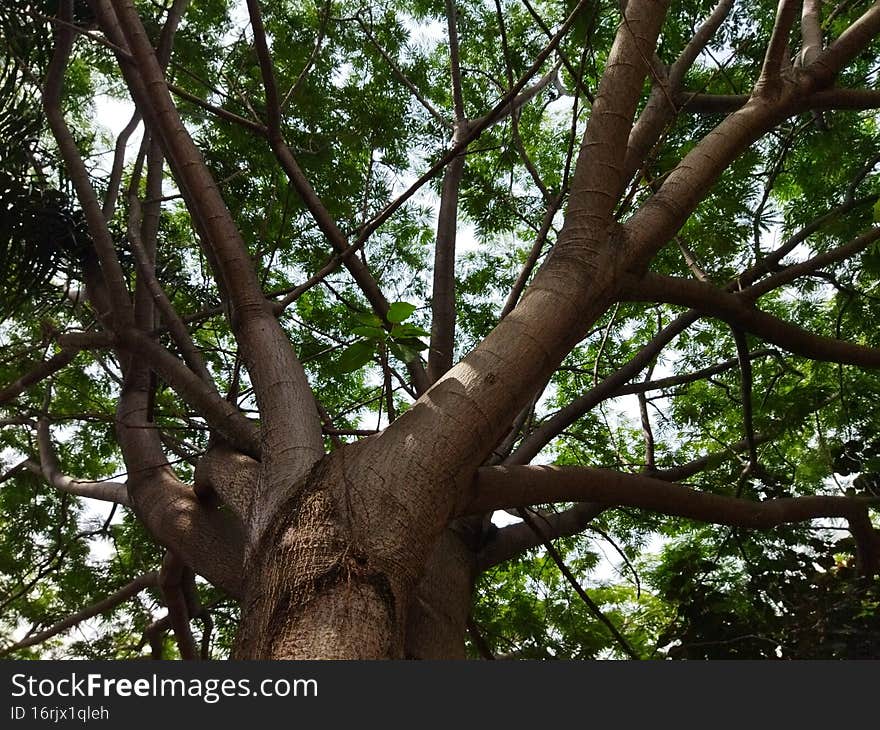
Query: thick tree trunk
{"x": 328, "y": 578}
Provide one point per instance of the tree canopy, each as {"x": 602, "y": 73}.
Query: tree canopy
{"x": 681, "y": 198}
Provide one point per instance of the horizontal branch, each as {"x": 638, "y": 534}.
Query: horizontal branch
{"x": 711, "y": 460}
{"x": 736, "y": 309}
{"x": 148, "y": 580}
{"x": 825, "y": 100}
{"x": 505, "y": 487}
{"x": 108, "y": 491}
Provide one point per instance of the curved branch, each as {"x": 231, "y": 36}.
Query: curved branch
{"x": 736, "y": 309}
{"x": 210, "y": 540}
{"x": 711, "y": 460}
{"x": 513, "y": 540}
{"x": 504, "y": 487}
{"x": 50, "y": 470}
{"x": 172, "y": 577}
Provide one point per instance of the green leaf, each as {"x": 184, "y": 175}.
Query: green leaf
{"x": 412, "y": 343}
{"x": 877, "y": 211}
{"x": 368, "y": 318}
{"x": 400, "y": 331}
{"x": 403, "y": 352}
{"x": 399, "y": 311}
{"x": 373, "y": 333}
{"x": 355, "y": 356}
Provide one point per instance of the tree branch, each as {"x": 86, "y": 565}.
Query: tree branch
{"x": 736, "y": 309}
{"x": 776, "y": 55}
{"x": 102, "y": 240}
{"x": 705, "y": 33}
{"x": 591, "y": 605}
{"x": 38, "y": 373}
{"x": 822, "y": 71}
{"x": 553, "y": 426}
{"x": 172, "y": 320}
{"x": 513, "y": 540}
{"x": 337, "y": 239}
{"x": 148, "y": 580}
{"x": 49, "y": 468}
{"x": 290, "y": 424}
{"x": 219, "y": 413}
{"x": 172, "y": 577}
{"x": 811, "y": 32}
{"x": 661, "y": 109}
{"x": 504, "y": 487}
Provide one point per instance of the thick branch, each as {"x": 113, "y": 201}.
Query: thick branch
{"x": 661, "y": 108}
{"x": 229, "y": 474}
{"x": 735, "y": 309}
{"x": 290, "y": 424}
{"x": 504, "y": 487}
{"x": 811, "y": 31}
{"x": 698, "y": 42}
{"x": 844, "y": 50}
{"x": 50, "y": 469}
{"x": 514, "y": 540}
{"x": 172, "y": 578}
{"x": 210, "y": 540}
{"x": 776, "y": 55}
{"x": 443, "y": 292}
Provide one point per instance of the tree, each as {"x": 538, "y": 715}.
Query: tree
{"x": 672, "y": 204}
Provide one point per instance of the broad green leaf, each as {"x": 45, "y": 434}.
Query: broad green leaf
{"x": 373, "y": 333}
{"x": 403, "y": 352}
{"x": 400, "y": 331}
{"x": 355, "y": 356}
{"x": 368, "y": 318}
{"x": 399, "y": 311}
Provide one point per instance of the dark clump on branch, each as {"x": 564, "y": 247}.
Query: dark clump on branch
{"x": 41, "y": 237}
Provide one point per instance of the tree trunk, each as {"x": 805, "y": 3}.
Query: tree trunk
{"x": 340, "y": 574}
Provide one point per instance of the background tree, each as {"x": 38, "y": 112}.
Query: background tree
{"x": 646, "y": 330}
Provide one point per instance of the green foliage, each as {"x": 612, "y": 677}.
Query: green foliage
{"x": 402, "y": 340}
